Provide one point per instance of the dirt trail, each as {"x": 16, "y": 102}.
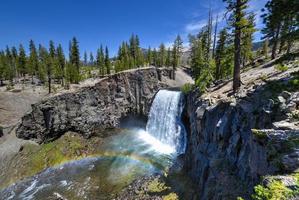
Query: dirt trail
{"x": 181, "y": 78}
{"x": 251, "y": 78}
{"x": 14, "y": 104}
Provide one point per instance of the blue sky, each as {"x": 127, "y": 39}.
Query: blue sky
{"x": 107, "y": 22}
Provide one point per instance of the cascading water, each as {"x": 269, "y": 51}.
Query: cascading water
{"x": 165, "y": 120}
{"x": 124, "y": 157}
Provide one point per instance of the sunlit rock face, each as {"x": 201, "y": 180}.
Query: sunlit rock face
{"x": 233, "y": 144}
{"x": 93, "y": 108}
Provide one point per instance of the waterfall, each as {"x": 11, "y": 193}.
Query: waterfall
{"x": 165, "y": 122}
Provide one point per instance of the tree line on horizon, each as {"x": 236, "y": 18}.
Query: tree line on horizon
{"x": 44, "y": 64}
{"x": 215, "y": 59}
{"x": 214, "y": 54}
{"x": 48, "y": 65}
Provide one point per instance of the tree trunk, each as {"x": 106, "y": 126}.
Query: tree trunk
{"x": 217, "y": 69}
{"x": 210, "y": 24}
{"x": 281, "y": 45}
{"x": 215, "y": 37}
{"x": 289, "y": 46}
{"x": 49, "y": 85}
{"x": 275, "y": 42}
{"x": 173, "y": 73}
{"x": 237, "y": 44}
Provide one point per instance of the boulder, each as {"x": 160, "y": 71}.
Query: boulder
{"x": 291, "y": 161}
{"x": 286, "y": 94}
{"x": 284, "y": 125}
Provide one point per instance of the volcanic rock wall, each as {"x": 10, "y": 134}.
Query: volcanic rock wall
{"x": 93, "y": 108}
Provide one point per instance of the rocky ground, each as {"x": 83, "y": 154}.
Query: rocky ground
{"x": 16, "y": 102}
{"x": 159, "y": 187}
{"x": 182, "y": 77}
{"x": 254, "y": 77}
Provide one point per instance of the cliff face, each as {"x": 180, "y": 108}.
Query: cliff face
{"x": 93, "y": 108}
{"x": 232, "y": 144}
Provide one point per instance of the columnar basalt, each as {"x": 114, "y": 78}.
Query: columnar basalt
{"x": 234, "y": 143}
{"x": 93, "y": 108}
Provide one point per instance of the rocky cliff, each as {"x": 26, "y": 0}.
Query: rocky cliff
{"x": 233, "y": 143}
{"x": 93, "y": 108}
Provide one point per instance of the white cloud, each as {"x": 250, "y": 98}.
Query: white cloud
{"x": 195, "y": 26}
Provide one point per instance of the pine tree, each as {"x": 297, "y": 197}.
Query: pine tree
{"x": 2, "y": 67}
{"x": 162, "y": 55}
{"x": 52, "y": 50}
{"x": 22, "y": 62}
{"x": 107, "y": 61}
{"x": 91, "y": 58}
{"x": 247, "y": 38}
{"x": 196, "y": 55}
{"x": 75, "y": 58}
{"x": 42, "y": 51}
{"x": 33, "y": 59}
{"x": 100, "y": 60}
{"x": 273, "y": 23}
{"x": 45, "y": 65}
{"x": 209, "y": 36}
{"x": 133, "y": 49}
{"x": 168, "y": 58}
{"x": 176, "y": 53}
{"x": 140, "y": 56}
{"x": 237, "y": 20}
{"x": 290, "y": 28}
{"x": 8, "y": 68}
{"x": 220, "y": 53}
{"x": 50, "y": 63}
{"x": 155, "y": 58}
{"x": 149, "y": 56}
{"x": 61, "y": 64}
{"x": 85, "y": 58}
{"x": 136, "y": 54}
{"x": 201, "y": 64}
{"x": 215, "y": 37}
{"x": 14, "y": 54}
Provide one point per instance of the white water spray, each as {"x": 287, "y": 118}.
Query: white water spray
{"x": 164, "y": 122}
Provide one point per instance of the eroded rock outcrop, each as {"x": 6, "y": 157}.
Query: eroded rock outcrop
{"x": 233, "y": 143}
{"x": 93, "y": 108}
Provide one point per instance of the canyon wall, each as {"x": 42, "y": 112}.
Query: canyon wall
{"x": 233, "y": 143}
{"x": 91, "y": 109}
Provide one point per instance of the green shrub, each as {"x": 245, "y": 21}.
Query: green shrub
{"x": 187, "y": 88}
{"x": 275, "y": 191}
{"x": 280, "y": 67}
{"x": 295, "y": 82}
{"x": 263, "y": 77}
{"x": 259, "y": 134}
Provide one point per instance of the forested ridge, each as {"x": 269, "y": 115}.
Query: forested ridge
{"x": 213, "y": 54}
